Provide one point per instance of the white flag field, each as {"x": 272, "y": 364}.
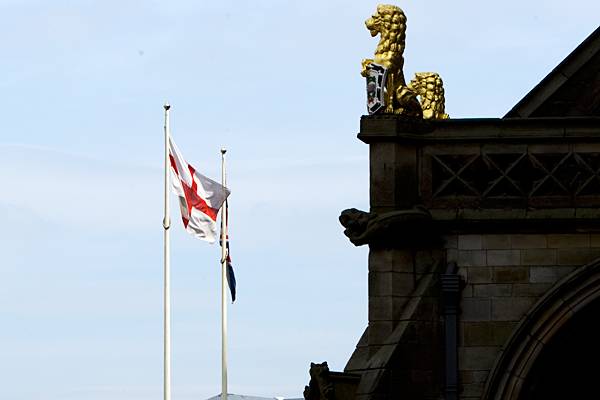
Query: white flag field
{"x": 200, "y": 198}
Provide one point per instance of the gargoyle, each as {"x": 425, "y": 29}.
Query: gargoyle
{"x": 365, "y": 228}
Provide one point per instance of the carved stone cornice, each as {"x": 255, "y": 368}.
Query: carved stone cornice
{"x": 484, "y": 174}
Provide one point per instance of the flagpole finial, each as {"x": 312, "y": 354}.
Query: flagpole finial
{"x": 223, "y": 150}
{"x": 167, "y": 106}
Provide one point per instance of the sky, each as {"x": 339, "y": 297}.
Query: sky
{"x": 275, "y": 82}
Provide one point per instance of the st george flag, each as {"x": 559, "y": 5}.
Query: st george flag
{"x": 200, "y": 198}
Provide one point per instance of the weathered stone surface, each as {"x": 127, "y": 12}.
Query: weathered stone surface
{"x": 380, "y": 260}
{"x": 530, "y": 289}
{"x": 539, "y": 256}
{"x": 528, "y": 241}
{"x": 473, "y": 309}
{"x": 492, "y": 290}
{"x": 380, "y": 283}
{"x": 469, "y": 242}
{"x": 471, "y": 390}
{"x": 470, "y": 258}
{"x": 387, "y": 260}
{"x": 503, "y": 257}
{"x": 574, "y": 240}
{"x": 380, "y": 308}
{"x": 548, "y": 274}
{"x": 403, "y": 283}
{"x": 595, "y": 240}
{"x": 478, "y": 334}
{"x": 479, "y": 275}
{"x": 577, "y": 256}
{"x": 379, "y": 331}
{"x": 486, "y": 333}
{"x": 467, "y": 377}
{"x": 513, "y": 274}
{"x": 496, "y": 242}
{"x": 510, "y": 308}
{"x": 477, "y": 358}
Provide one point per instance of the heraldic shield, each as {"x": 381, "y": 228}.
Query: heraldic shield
{"x": 376, "y": 76}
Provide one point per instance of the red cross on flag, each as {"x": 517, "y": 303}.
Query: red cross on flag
{"x": 200, "y": 198}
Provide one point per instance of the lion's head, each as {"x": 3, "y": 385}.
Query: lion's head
{"x": 388, "y": 18}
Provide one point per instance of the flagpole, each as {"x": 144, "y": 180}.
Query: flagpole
{"x": 223, "y": 284}
{"x": 167, "y": 272}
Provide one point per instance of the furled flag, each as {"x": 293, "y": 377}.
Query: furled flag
{"x": 200, "y": 198}
{"x": 230, "y": 275}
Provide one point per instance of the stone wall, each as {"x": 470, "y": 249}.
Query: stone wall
{"x": 504, "y": 276}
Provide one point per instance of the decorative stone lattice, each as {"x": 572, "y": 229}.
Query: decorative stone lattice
{"x": 510, "y": 175}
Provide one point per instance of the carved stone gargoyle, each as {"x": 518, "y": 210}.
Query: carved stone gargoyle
{"x": 370, "y": 228}
{"x": 319, "y": 387}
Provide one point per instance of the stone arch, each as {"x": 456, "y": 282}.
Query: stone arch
{"x": 539, "y": 326}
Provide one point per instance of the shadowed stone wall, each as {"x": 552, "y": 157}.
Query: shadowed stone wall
{"x": 504, "y": 276}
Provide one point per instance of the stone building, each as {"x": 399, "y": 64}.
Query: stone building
{"x": 484, "y": 251}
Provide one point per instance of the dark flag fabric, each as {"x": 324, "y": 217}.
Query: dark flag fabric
{"x": 229, "y": 271}
{"x": 230, "y": 276}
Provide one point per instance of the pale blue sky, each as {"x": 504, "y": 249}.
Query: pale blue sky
{"x": 83, "y": 83}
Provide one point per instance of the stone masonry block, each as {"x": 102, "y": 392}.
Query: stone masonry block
{"x": 479, "y": 275}
{"x": 530, "y": 289}
{"x": 403, "y": 283}
{"x": 380, "y": 260}
{"x": 383, "y": 159}
{"x": 502, "y": 330}
{"x": 403, "y": 261}
{"x": 380, "y": 308}
{"x": 471, "y": 258}
{"x": 528, "y": 241}
{"x": 503, "y": 257}
{"x": 478, "y": 334}
{"x": 477, "y": 358}
{"x": 515, "y": 274}
{"x": 379, "y": 331}
{"x": 496, "y": 242}
{"x": 539, "y": 257}
{"x": 577, "y": 256}
{"x": 564, "y": 241}
{"x": 471, "y": 390}
{"x": 469, "y": 242}
{"x": 467, "y": 377}
{"x": 510, "y": 308}
{"x": 492, "y": 290}
{"x": 473, "y": 309}
{"x": 548, "y": 274}
{"x": 487, "y": 333}
{"x": 386, "y": 308}
{"x": 426, "y": 260}
{"x": 480, "y": 376}
{"x": 380, "y": 283}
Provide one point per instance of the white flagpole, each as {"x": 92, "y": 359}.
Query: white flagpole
{"x": 167, "y": 280}
{"x": 223, "y": 285}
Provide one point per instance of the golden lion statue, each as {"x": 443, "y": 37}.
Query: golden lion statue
{"x": 390, "y": 22}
